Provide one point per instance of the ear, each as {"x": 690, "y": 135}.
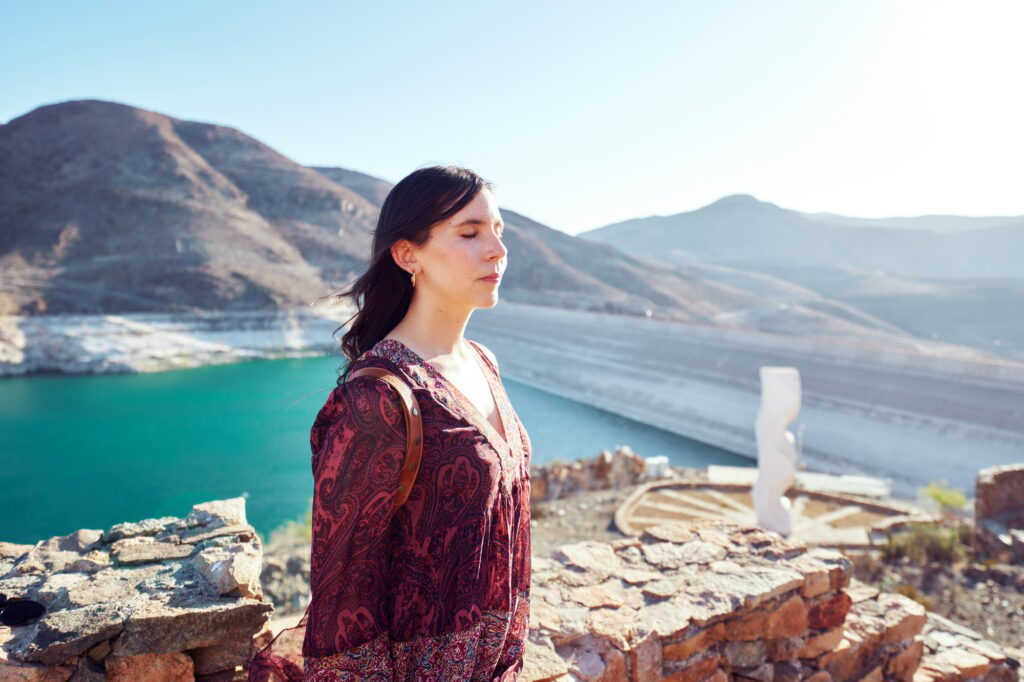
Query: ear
{"x": 404, "y": 254}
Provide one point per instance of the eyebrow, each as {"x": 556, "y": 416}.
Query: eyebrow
{"x": 477, "y": 223}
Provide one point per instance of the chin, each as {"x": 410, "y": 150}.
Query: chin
{"x": 489, "y": 303}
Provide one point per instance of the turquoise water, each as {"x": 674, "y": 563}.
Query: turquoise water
{"x": 92, "y": 451}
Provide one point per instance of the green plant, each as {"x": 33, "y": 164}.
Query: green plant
{"x": 925, "y": 542}
{"x": 948, "y": 499}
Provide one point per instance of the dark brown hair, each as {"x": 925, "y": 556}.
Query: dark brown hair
{"x": 382, "y": 294}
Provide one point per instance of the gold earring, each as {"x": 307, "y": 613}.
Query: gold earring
{"x": 414, "y": 279}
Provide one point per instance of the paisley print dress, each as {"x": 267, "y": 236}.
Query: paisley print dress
{"x": 439, "y": 590}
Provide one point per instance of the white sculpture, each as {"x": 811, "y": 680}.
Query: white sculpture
{"x": 776, "y": 447}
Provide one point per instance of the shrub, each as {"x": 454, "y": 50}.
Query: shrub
{"x": 948, "y": 499}
{"x": 925, "y": 542}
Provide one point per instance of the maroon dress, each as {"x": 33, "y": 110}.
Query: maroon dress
{"x": 441, "y": 590}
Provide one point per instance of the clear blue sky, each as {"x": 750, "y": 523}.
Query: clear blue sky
{"x": 583, "y": 113}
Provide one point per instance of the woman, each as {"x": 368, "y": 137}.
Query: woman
{"x": 438, "y": 590}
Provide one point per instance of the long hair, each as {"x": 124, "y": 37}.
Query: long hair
{"x": 382, "y": 294}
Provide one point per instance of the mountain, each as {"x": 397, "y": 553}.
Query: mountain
{"x": 962, "y": 283}
{"x": 110, "y": 208}
{"x": 744, "y": 232}
{"x": 370, "y": 188}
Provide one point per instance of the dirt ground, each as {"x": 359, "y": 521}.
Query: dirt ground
{"x": 581, "y": 516}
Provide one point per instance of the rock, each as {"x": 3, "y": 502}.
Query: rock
{"x": 233, "y": 571}
{"x": 137, "y": 528}
{"x": 229, "y": 512}
{"x": 829, "y": 613}
{"x": 144, "y": 550}
{"x": 171, "y": 624}
{"x": 221, "y": 656}
{"x": 81, "y": 541}
{"x": 617, "y": 626}
{"x": 10, "y": 551}
{"x": 761, "y": 673}
{"x": 594, "y": 558}
{"x": 746, "y": 654}
{"x": 100, "y": 651}
{"x": 646, "y": 660}
{"x": 788, "y": 620}
{"x": 677, "y": 532}
{"x": 89, "y": 670}
{"x": 700, "y": 552}
{"x": 904, "y": 617}
{"x": 205, "y": 534}
{"x": 787, "y": 672}
{"x": 15, "y": 671}
{"x": 609, "y": 593}
{"x": 154, "y": 601}
{"x": 902, "y": 665}
{"x": 784, "y": 648}
{"x": 816, "y": 645}
{"x": 170, "y": 667}
{"x": 664, "y": 555}
{"x": 64, "y": 634}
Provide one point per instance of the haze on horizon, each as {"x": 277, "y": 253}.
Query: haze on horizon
{"x": 583, "y": 114}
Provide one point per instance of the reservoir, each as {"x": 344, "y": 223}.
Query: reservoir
{"x": 92, "y": 451}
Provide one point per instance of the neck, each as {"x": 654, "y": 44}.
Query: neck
{"x": 433, "y": 328}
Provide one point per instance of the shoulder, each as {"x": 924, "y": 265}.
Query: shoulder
{"x": 486, "y": 351}
{"x": 362, "y": 401}
{"x": 364, "y": 405}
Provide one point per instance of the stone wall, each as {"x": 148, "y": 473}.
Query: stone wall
{"x": 720, "y": 602}
{"x": 160, "y": 599}
{"x": 607, "y": 471}
{"x": 999, "y": 513}
{"x": 180, "y": 599}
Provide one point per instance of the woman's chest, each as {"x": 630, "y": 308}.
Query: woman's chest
{"x": 463, "y": 455}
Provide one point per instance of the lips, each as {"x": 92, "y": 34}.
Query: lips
{"x": 492, "y": 278}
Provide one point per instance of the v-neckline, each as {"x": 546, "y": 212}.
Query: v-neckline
{"x": 468, "y": 407}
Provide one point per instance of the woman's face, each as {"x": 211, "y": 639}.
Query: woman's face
{"x": 461, "y": 252}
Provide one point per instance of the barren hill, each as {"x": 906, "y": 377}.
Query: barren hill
{"x": 106, "y": 207}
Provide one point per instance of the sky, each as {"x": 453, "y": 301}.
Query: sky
{"x": 583, "y": 113}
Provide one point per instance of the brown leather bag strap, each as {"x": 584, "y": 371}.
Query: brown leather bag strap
{"x": 414, "y": 429}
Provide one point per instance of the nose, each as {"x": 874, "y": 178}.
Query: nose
{"x": 496, "y": 249}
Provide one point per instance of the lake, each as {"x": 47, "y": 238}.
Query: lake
{"x": 92, "y": 451}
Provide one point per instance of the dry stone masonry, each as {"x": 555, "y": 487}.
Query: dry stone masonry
{"x": 180, "y": 599}
{"x": 999, "y": 513}
{"x": 607, "y": 471}
{"x": 714, "y": 601}
{"x": 159, "y": 599}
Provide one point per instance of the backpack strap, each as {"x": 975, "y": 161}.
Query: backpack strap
{"x": 414, "y": 429}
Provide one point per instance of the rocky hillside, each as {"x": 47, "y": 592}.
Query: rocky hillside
{"x": 107, "y": 208}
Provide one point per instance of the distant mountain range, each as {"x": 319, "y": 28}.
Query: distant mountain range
{"x": 108, "y": 208}
{"x": 949, "y": 278}
{"x": 745, "y": 232}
